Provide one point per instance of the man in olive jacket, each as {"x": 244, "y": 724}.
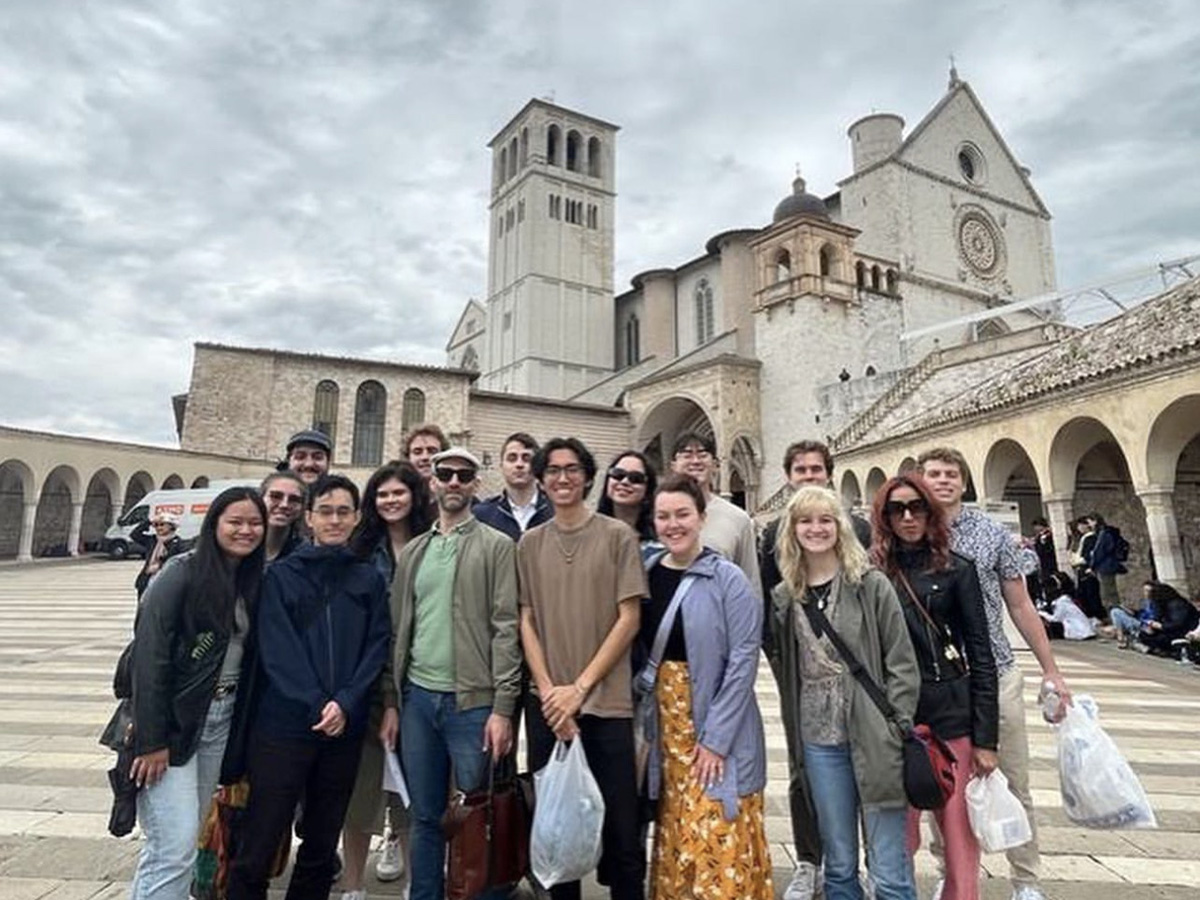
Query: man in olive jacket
{"x": 456, "y": 662}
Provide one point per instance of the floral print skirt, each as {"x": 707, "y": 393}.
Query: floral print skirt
{"x": 697, "y": 853}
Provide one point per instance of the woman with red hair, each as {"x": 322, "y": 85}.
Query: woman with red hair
{"x": 943, "y": 607}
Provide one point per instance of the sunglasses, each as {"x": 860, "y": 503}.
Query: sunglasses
{"x": 446, "y": 474}
{"x": 285, "y": 499}
{"x": 897, "y": 508}
{"x": 632, "y": 476}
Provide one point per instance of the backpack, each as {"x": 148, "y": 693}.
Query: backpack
{"x": 1120, "y": 546}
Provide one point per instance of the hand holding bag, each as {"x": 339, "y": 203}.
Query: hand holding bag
{"x": 487, "y": 834}
{"x": 929, "y": 763}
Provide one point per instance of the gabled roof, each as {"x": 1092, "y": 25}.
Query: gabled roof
{"x": 473, "y": 306}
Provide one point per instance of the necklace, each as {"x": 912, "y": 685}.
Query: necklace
{"x": 568, "y": 555}
{"x": 819, "y": 594}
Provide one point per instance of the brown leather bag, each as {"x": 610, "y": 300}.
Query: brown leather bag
{"x": 487, "y": 835}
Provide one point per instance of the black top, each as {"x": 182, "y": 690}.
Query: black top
{"x": 664, "y": 581}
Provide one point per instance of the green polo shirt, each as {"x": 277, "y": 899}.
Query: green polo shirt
{"x": 431, "y": 663}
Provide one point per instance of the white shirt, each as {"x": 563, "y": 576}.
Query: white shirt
{"x": 523, "y": 514}
{"x": 1076, "y": 625}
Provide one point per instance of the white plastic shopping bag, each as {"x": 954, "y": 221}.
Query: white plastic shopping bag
{"x": 997, "y": 816}
{"x": 1099, "y": 789}
{"x": 393, "y": 777}
{"x": 568, "y": 816}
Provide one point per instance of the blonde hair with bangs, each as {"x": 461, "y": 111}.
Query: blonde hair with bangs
{"x": 810, "y": 500}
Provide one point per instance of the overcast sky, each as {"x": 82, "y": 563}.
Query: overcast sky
{"x": 314, "y": 175}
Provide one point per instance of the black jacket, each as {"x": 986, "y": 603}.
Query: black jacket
{"x": 954, "y": 600}
{"x": 497, "y": 512}
{"x": 175, "y": 666}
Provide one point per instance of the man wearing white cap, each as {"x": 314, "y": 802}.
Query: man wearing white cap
{"x": 167, "y": 543}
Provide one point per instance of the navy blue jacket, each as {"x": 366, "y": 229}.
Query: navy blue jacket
{"x": 1104, "y": 559}
{"x": 497, "y": 512}
{"x": 323, "y": 631}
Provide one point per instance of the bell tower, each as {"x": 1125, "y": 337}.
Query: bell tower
{"x": 550, "y": 253}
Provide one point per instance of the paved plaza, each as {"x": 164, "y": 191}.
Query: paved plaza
{"x": 63, "y": 625}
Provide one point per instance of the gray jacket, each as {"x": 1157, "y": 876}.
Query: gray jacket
{"x": 722, "y": 627}
{"x": 868, "y": 618}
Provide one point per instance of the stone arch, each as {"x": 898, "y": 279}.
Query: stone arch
{"x": 55, "y": 508}
{"x": 1010, "y": 475}
{"x": 99, "y": 507}
{"x": 1173, "y": 501}
{"x": 908, "y": 464}
{"x": 1173, "y": 429}
{"x": 783, "y": 264}
{"x": 875, "y": 480}
{"x": 860, "y": 274}
{"x": 890, "y": 281}
{"x": 17, "y": 487}
{"x": 370, "y": 418}
{"x": 553, "y": 144}
{"x": 1072, "y": 440}
{"x": 875, "y": 278}
{"x": 826, "y": 260}
{"x": 593, "y": 157}
{"x": 512, "y": 158}
{"x": 200, "y": 481}
{"x": 574, "y": 150}
{"x": 172, "y": 482}
{"x": 743, "y": 472}
{"x": 138, "y": 486}
{"x": 851, "y": 491}
{"x": 668, "y": 419}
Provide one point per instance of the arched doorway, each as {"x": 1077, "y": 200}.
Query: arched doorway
{"x": 743, "y": 474}
{"x": 665, "y": 423}
{"x": 98, "y": 502}
{"x": 908, "y": 464}
{"x": 52, "y": 523}
{"x": 16, "y": 486}
{"x": 1008, "y": 475}
{"x": 851, "y": 492}
{"x": 172, "y": 483}
{"x": 875, "y": 480}
{"x": 1173, "y": 509}
{"x": 140, "y": 484}
{"x": 200, "y": 482}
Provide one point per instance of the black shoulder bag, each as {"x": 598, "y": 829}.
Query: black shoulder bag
{"x": 929, "y": 765}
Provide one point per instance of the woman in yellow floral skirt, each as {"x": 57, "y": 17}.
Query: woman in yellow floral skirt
{"x": 707, "y": 766}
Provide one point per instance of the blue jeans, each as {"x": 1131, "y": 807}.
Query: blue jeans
{"x": 436, "y": 739}
{"x": 1127, "y": 623}
{"x": 830, "y": 771}
{"x": 171, "y": 812}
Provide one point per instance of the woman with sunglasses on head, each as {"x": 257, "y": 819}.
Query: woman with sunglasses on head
{"x": 852, "y": 754}
{"x": 191, "y": 644}
{"x": 943, "y": 607}
{"x": 284, "y": 494}
{"x": 628, "y": 496}
{"x": 395, "y": 509}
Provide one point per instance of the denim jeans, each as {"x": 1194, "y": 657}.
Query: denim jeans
{"x": 830, "y": 772}
{"x": 171, "y": 811}
{"x": 1125, "y": 622}
{"x": 437, "y": 740}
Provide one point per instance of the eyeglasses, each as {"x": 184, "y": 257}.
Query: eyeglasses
{"x": 285, "y": 499}
{"x": 694, "y": 453}
{"x": 446, "y": 474}
{"x": 334, "y": 512}
{"x": 575, "y": 470}
{"x": 916, "y": 508}
{"x": 631, "y": 475}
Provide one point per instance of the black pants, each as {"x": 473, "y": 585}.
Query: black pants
{"x": 608, "y": 746}
{"x": 281, "y": 773}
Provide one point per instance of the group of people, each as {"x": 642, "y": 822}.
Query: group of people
{"x": 312, "y": 631}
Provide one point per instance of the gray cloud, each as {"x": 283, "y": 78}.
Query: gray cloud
{"x": 314, "y": 176}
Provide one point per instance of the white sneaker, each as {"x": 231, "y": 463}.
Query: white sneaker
{"x": 803, "y": 885}
{"x": 390, "y": 864}
{"x": 938, "y": 888}
{"x": 1028, "y": 892}
{"x": 355, "y": 895}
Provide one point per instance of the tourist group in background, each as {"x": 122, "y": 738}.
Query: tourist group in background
{"x": 315, "y": 636}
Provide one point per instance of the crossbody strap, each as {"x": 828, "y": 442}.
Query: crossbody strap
{"x": 939, "y": 638}
{"x": 664, "y": 626}
{"x": 820, "y": 625}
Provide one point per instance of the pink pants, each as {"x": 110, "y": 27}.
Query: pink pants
{"x": 962, "y": 849}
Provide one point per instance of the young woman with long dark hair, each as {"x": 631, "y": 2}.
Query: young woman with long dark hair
{"x": 190, "y": 641}
{"x": 628, "y": 496}
{"x": 943, "y": 607}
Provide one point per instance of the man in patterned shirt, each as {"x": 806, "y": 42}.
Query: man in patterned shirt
{"x": 998, "y": 564}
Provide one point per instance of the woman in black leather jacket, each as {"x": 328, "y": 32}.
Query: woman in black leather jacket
{"x": 943, "y": 607}
{"x": 189, "y": 644}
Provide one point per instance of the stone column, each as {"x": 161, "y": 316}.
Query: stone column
{"x": 28, "y": 520}
{"x": 117, "y": 508}
{"x": 76, "y": 528}
{"x": 1164, "y": 535}
{"x": 1060, "y": 510}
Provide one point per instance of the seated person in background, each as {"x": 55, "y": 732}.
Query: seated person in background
{"x": 1061, "y": 616}
{"x": 1188, "y": 646}
{"x": 1129, "y": 618}
{"x": 1175, "y": 617}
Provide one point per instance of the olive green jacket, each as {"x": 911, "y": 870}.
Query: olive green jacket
{"x": 487, "y": 649}
{"x": 869, "y": 619}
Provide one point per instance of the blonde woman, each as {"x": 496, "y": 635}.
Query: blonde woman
{"x": 851, "y": 754}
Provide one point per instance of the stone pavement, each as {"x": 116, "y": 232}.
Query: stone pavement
{"x": 62, "y": 627}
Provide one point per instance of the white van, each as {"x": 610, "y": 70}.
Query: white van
{"x": 132, "y": 532}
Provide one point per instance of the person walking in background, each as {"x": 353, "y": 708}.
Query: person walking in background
{"x": 190, "y": 636}
{"x": 943, "y": 607}
{"x": 708, "y": 765}
{"x": 852, "y": 754}
{"x": 1106, "y": 560}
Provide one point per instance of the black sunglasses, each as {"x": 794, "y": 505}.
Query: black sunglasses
{"x": 616, "y": 473}
{"x": 915, "y": 507}
{"x": 446, "y": 474}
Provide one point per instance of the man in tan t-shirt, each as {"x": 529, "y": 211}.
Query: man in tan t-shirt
{"x": 581, "y": 586}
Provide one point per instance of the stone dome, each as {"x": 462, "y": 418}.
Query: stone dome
{"x": 800, "y": 203}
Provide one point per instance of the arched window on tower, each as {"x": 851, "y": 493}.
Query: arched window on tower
{"x": 860, "y": 273}
{"x": 573, "y": 150}
{"x": 594, "y": 157}
{"x": 325, "y": 409}
{"x": 705, "y": 323}
{"x": 783, "y": 265}
{"x": 413, "y": 413}
{"x": 633, "y": 340}
{"x": 553, "y": 141}
{"x": 891, "y": 281}
{"x": 825, "y": 260}
{"x": 512, "y": 158}
{"x": 524, "y": 147}
{"x": 370, "y": 415}
{"x": 875, "y": 278}
{"x": 502, "y": 171}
